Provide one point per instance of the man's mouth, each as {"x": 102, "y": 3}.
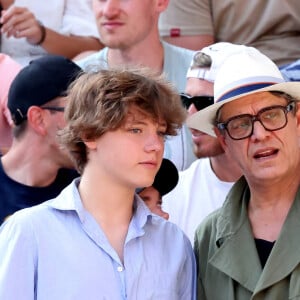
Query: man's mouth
{"x": 266, "y": 153}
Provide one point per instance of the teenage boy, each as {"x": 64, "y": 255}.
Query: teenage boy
{"x": 97, "y": 239}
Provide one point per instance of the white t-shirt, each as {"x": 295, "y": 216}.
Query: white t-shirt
{"x": 198, "y": 193}
{"x": 69, "y": 17}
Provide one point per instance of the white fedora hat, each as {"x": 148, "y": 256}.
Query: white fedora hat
{"x": 242, "y": 73}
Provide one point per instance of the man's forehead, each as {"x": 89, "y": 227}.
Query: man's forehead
{"x": 58, "y": 99}
{"x": 256, "y": 98}
{"x": 198, "y": 87}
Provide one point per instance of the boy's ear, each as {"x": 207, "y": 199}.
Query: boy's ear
{"x": 92, "y": 145}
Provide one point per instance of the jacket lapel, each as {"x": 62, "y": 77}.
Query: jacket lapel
{"x": 285, "y": 255}
{"x": 237, "y": 257}
{"x": 233, "y": 232}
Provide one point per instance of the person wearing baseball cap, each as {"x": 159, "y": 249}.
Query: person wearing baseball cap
{"x": 8, "y": 71}
{"x": 165, "y": 181}
{"x": 202, "y": 187}
{"x": 248, "y": 249}
{"x": 35, "y": 168}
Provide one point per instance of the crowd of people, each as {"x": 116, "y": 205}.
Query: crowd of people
{"x": 149, "y": 149}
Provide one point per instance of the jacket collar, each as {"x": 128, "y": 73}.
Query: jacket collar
{"x": 285, "y": 255}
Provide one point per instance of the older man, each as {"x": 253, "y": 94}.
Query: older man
{"x": 248, "y": 249}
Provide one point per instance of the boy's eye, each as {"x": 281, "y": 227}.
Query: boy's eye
{"x": 136, "y": 130}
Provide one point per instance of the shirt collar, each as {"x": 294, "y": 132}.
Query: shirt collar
{"x": 69, "y": 199}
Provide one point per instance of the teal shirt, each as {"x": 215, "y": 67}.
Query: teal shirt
{"x": 178, "y": 149}
{"x": 227, "y": 259}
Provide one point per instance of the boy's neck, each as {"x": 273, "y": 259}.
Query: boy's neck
{"x": 111, "y": 207}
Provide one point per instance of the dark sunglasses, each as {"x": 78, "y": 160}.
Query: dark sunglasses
{"x": 200, "y": 102}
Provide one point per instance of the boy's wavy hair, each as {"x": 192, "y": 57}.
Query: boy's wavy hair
{"x": 100, "y": 101}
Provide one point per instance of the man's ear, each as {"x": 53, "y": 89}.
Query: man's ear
{"x": 298, "y": 110}
{"x": 221, "y": 138}
{"x": 36, "y": 119}
{"x": 162, "y": 5}
{"x": 298, "y": 116}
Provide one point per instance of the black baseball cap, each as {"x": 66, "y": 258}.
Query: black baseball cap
{"x": 39, "y": 82}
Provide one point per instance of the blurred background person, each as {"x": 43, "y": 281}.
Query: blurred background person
{"x": 273, "y": 27}
{"x": 35, "y": 168}
{"x": 33, "y": 28}
{"x": 202, "y": 188}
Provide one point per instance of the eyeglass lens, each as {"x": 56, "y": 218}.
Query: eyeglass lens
{"x": 271, "y": 118}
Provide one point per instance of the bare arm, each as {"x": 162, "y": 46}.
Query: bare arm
{"x": 69, "y": 46}
{"x": 6, "y": 3}
{"x": 22, "y": 23}
{"x": 193, "y": 42}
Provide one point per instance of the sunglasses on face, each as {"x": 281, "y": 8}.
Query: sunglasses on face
{"x": 200, "y": 102}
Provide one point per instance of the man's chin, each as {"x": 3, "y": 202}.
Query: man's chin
{"x": 203, "y": 152}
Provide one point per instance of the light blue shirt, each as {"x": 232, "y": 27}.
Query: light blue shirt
{"x": 178, "y": 149}
{"x": 56, "y": 250}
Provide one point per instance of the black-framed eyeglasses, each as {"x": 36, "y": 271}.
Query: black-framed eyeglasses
{"x": 54, "y": 108}
{"x": 271, "y": 118}
{"x": 200, "y": 102}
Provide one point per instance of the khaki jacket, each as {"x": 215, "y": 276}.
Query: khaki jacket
{"x": 228, "y": 263}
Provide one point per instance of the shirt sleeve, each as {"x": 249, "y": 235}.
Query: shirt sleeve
{"x": 189, "y": 281}
{"x": 17, "y": 263}
{"x": 79, "y": 19}
{"x": 193, "y": 17}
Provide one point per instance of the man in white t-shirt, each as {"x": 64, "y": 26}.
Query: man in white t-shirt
{"x": 202, "y": 188}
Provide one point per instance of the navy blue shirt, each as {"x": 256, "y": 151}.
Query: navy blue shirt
{"x": 15, "y": 196}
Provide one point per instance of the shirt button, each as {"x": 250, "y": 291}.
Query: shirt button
{"x": 120, "y": 269}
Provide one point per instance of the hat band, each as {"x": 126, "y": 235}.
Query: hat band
{"x": 196, "y": 73}
{"x": 244, "y": 89}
